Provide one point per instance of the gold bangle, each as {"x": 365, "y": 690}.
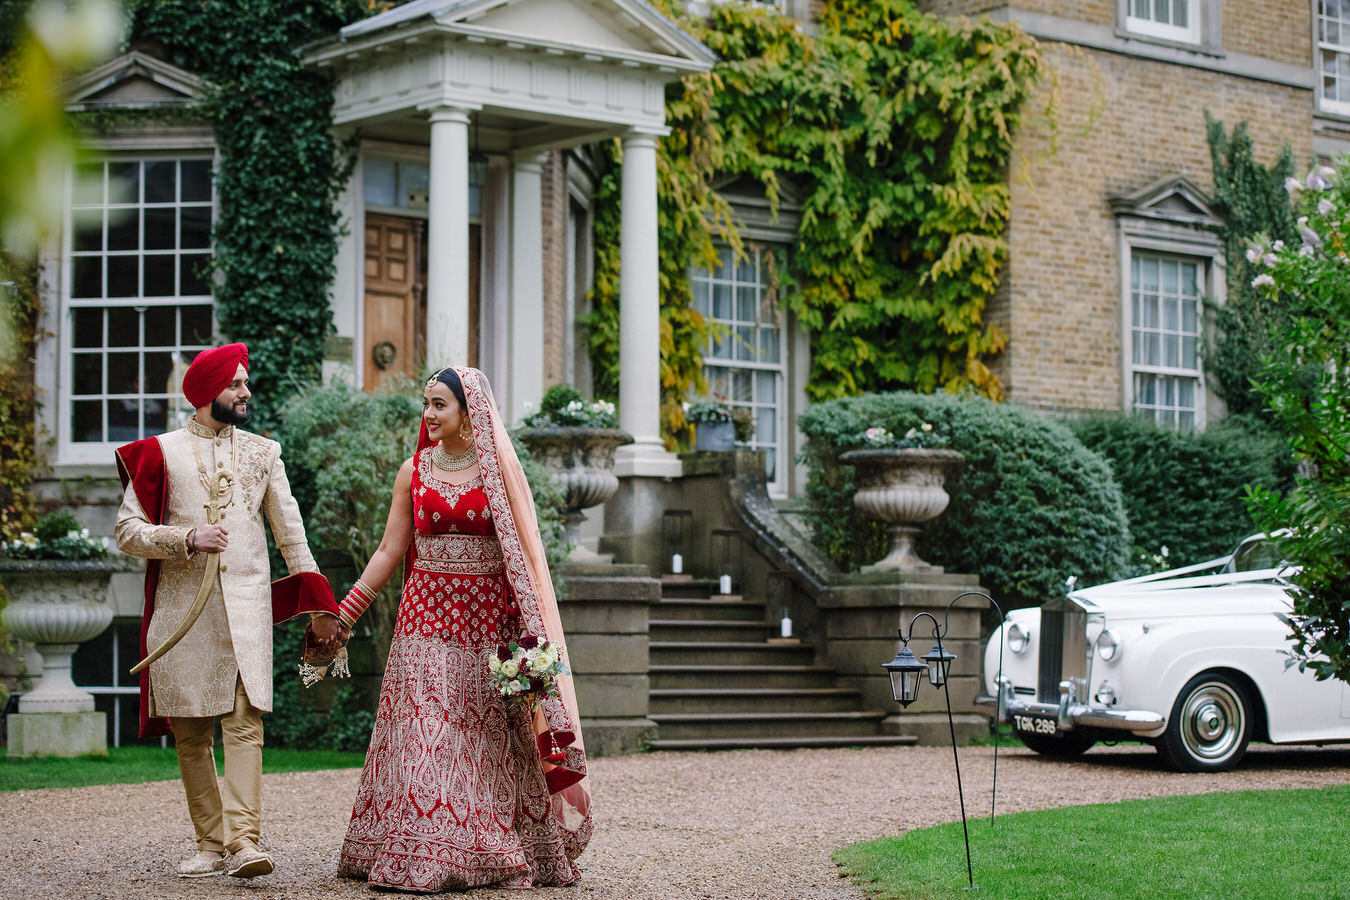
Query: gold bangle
{"x": 192, "y": 540}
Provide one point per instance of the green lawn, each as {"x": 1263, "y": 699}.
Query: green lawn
{"x": 1250, "y": 845}
{"x": 130, "y": 765}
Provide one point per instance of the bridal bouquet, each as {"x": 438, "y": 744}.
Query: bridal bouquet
{"x": 526, "y": 669}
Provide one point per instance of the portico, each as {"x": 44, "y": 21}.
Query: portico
{"x": 478, "y": 94}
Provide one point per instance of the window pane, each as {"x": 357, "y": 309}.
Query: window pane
{"x": 745, "y": 342}
{"x": 766, "y": 426}
{"x": 124, "y": 373}
{"x": 1171, "y": 350}
{"x": 159, "y": 276}
{"x": 768, "y": 345}
{"x": 88, "y": 227}
{"x": 159, "y": 229}
{"x": 88, "y": 185}
{"x": 766, "y": 387}
{"x": 158, "y": 368}
{"x": 196, "y": 227}
{"x": 124, "y": 276}
{"x": 745, "y": 303}
{"x": 86, "y": 420}
{"x": 192, "y": 272}
{"x": 124, "y": 327}
{"x": 721, "y": 301}
{"x": 124, "y": 420}
{"x": 1148, "y": 275}
{"x": 196, "y": 325}
{"x": 159, "y": 182}
{"x": 1171, "y": 319}
{"x": 88, "y": 327}
{"x": 160, "y": 326}
{"x": 156, "y": 416}
{"x": 722, "y": 347}
{"x": 1188, "y": 360}
{"x": 88, "y": 373}
{"x": 124, "y": 229}
{"x": 88, "y": 277}
{"x": 745, "y": 269}
{"x": 701, "y": 296}
{"x": 196, "y": 174}
{"x": 124, "y": 182}
{"x": 379, "y": 182}
{"x": 742, "y": 387}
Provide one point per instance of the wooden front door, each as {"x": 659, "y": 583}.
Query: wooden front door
{"x": 395, "y": 302}
{"x": 396, "y": 298}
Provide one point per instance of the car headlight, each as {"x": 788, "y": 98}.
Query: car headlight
{"x": 1018, "y": 638}
{"x": 1108, "y": 645}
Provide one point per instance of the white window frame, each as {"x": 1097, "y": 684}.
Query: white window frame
{"x": 1151, "y": 27}
{"x": 69, "y": 451}
{"x": 1168, "y": 416}
{"x": 1339, "y": 49}
{"x": 778, "y": 485}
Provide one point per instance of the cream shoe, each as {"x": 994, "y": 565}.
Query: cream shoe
{"x": 202, "y": 864}
{"x": 250, "y": 862}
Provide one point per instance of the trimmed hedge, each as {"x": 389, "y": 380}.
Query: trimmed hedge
{"x": 1031, "y": 507}
{"x": 1187, "y": 492}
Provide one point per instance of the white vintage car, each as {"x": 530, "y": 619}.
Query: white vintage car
{"x": 1192, "y": 660}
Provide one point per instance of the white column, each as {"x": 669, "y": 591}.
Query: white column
{"x": 527, "y": 285}
{"x": 448, "y": 238}
{"x": 640, "y": 315}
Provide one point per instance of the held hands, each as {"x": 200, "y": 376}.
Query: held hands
{"x": 324, "y": 637}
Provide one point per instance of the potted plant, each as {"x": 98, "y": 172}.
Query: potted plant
{"x": 575, "y": 439}
{"x": 901, "y": 482}
{"x": 714, "y": 424}
{"x": 56, "y": 578}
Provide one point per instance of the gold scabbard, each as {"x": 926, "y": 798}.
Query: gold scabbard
{"x": 194, "y": 612}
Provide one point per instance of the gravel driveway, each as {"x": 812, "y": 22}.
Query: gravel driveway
{"x": 747, "y": 824}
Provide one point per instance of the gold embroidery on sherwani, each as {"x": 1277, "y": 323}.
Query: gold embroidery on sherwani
{"x": 234, "y": 633}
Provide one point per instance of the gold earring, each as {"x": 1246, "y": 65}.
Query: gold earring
{"x": 465, "y": 430}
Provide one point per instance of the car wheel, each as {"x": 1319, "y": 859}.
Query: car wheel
{"x": 1068, "y": 744}
{"x": 1210, "y": 725}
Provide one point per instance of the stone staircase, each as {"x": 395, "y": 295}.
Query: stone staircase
{"x": 718, "y": 682}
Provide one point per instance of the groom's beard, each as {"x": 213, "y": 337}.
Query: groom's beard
{"x": 222, "y": 413}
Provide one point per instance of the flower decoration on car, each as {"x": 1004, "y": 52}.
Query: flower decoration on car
{"x": 57, "y": 536}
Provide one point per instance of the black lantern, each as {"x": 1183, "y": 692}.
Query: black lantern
{"x": 939, "y": 661}
{"x": 905, "y": 671}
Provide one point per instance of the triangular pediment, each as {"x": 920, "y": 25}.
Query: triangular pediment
{"x": 628, "y": 28}
{"x": 134, "y": 80}
{"x": 1174, "y": 198}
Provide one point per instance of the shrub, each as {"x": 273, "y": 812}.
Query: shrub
{"x": 1031, "y": 507}
{"x": 563, "y": 405}
{"x": 1187, "y": 492}
{"x": 56, "y": 536}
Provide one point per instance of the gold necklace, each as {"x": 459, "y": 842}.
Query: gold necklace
{"x": 447, "y": 463}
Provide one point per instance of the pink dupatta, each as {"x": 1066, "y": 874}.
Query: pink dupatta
{"x": 556, "y": 720}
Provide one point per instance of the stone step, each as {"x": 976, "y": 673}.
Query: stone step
{"x": 708, "y": 608}
{"x": 700, "y": 726}
{"x": 686, "y": 586}
{"x": 725, "y": 701}
{"x": 725, "y": 653}
{"x": 727, "y": 677}
{"x": 713, "y": 630}
{"x": 784, "y": 743}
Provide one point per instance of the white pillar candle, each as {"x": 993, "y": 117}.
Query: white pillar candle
{"x": 724, "y": 583}
{"x": 677, "y": 564}
{"x": 785, "y": 624}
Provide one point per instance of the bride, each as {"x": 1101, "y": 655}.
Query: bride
{"x": 461, "y": 789}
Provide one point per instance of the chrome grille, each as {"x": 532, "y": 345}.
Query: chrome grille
{"x": 1063, "y": 653}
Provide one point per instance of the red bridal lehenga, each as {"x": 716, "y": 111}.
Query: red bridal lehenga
{"x": 453, "y": 794}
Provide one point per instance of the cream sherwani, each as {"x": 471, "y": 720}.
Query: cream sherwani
{"x": 234, "y": 634}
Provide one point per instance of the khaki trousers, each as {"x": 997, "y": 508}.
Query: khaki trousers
{"x": 235, "y": 823}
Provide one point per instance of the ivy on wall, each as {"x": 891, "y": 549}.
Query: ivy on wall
{"x": 896, "y": 127}
{"x": 280, "y": 172}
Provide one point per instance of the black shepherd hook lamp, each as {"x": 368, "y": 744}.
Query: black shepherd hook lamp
{"x": 906, "y": 672}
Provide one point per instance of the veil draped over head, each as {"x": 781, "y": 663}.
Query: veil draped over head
{"x": 556, "y": 722}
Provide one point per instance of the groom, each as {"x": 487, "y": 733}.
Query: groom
{"x": 193, "y": 506}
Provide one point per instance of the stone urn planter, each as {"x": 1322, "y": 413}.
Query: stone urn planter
{"x": 719, "y": 436}
{"x": 57, "y": 604}
{"x": 903, "y": 488}
{"x": 582, "y": 459}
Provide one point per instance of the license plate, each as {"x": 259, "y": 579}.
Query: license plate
{"x": 1036, "y": 724}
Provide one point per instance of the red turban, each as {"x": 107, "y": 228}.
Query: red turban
{"x": 211, "y": 372}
